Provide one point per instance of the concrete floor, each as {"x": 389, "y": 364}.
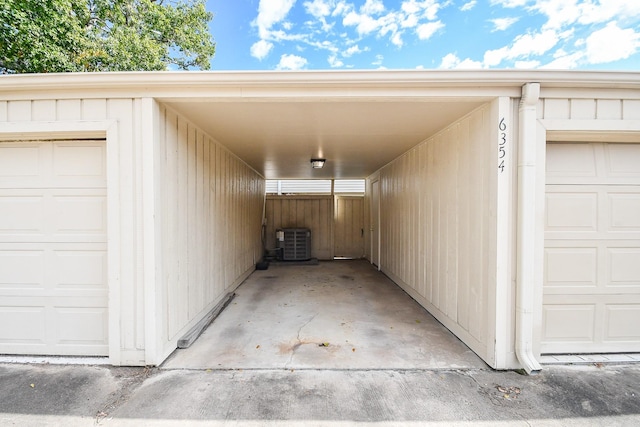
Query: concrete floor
{"x": 335, "y": 315}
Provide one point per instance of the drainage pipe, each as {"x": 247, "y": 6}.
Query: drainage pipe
{"x": 526, "y": 230}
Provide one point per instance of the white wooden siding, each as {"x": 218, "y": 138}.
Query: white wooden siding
{"x": 126, "y": 113}
{"x": 584, "y": 108}
{"x": 210, "y": 207}
{"x": 349, "y": 226}
{"x": 438, "y": 226}
{"x": 312, "y": 212}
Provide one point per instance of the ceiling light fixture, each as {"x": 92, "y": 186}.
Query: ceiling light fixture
{"x": 317, "y": 163}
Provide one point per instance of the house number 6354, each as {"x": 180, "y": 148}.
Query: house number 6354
{"x": 502, "y": 144}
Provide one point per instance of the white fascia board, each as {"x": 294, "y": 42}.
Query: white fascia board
{"x": 271, "y": 83}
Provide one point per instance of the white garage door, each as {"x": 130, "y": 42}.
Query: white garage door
{"x": 592, "y": 249}
{"x": 53, "y": 257}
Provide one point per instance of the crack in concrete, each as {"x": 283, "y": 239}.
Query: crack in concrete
{"x": 297, "y": 345}
{"x": 132, "y": 378}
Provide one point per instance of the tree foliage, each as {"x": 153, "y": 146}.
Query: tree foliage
{"x": 44, "y": 36}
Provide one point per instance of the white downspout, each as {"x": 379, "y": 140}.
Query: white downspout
{"x": 526, "y": 230}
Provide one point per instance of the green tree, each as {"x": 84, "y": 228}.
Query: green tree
{"x": 44, "y": 36}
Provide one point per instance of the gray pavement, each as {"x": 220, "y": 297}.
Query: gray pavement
{"x": 331, "y": 345}
{"x": 98, "y": 395}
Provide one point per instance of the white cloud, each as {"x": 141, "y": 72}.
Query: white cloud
{"x": 425, "y": 31}
{"x": 353, "y": 50}
{"x": 501, "y": 24}
{"x": 319, "y": 8}
{"x": 372, "y": 7}
{"x": 563, "y": 13}
{"x": 611, "y": 43}
{"x": 378, "y": 61}
{"x": 564, "y": 61}
{"x": 396, "y": 39}
{"x": 261, "y": 49}
{"x": 451, "y": 61}
{"x": 528, "y": 65}
{"x": 271, "y": 12}
{"x": 510, "y": 3}
{"x": 334, "y": 62}
{"x": 468, "y": 6}
{"x": 427, "y": 9}
{"x": 364, "y": 23}
{"x": 523, "y": 47}
{"x": 607, "y": 10}
{"x": 291, "y": 62}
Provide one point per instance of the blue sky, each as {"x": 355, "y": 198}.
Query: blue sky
{"x": 425, "y": 34}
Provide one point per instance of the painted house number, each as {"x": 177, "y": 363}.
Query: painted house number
{"x": 502, "y": 144}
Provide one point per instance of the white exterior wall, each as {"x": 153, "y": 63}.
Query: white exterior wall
{"x": 208, "y": 213}
{"x": 119, "y": 121}
{"x": 176, "y": 244}
{"x": 439, "y": 222}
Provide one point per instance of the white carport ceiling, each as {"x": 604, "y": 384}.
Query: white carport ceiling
{"x": 278, "y": 138}
{"x": 277, "y": 121}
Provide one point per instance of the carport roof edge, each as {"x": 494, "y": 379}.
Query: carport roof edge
{"x": 152, "y": 82}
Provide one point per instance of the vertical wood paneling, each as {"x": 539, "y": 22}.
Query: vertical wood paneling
{"x": 435, "y": 219}
{"x": 348, "y": 226}
{"x": 630, "y": 109}
{"x": 589, "y": 109}
{"x": 312, "y": 212}
{"x": 44, "y": 110}
{"x": 609, "y": 109}
{"x": 583, "y": 108}
{"x": 211, "y": 206}
{"x": 4, "y": 111}
{"x": 122, "y": 110}
{"x": 69, "y": 109}
{"x": 94, "y": 109}
{"x": 19, "y": 111}
{"x": 214, "y": 204}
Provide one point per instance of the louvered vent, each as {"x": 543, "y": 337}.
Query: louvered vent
{"x": 295, "y": 244}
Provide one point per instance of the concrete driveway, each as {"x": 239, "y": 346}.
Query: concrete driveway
{"x": 335, "y": 315}
{"x": 329, "y": 346}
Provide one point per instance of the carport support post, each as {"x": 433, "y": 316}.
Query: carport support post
{"x": 526, "y": 229}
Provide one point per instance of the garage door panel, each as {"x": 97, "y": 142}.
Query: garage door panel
{"x": 79, "y": 163}
{"x": 21, "y": 163}
{"x": 622, "y": 322}
{"x": 624, "y": 210}
{"x": 569, "y": 162}
{"x": 22, "y": 324}
{"x": 623, "y": 267}
{"x": 79, "y": 269}
{"x": 569, "y": 323}
{"x": 588, "y": 267}
{"x": 45, "y": 215}
{"x": 592, "y": 249}
{"x": 53, "y": 250}
{"x": 621, "y": 161}
{"x": 84, "y": 326}
{"x": 22, "y": 270}
{"x": 79, "y": 214}
{"x": 571, "y": 267}
{"x": 21, "y": 214}
{"x": 572, "y": 211}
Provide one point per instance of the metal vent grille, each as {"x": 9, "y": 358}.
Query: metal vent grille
{"x": 296, "y": 245}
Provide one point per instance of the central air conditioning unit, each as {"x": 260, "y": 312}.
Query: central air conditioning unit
{"x": 294, "y": 244}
